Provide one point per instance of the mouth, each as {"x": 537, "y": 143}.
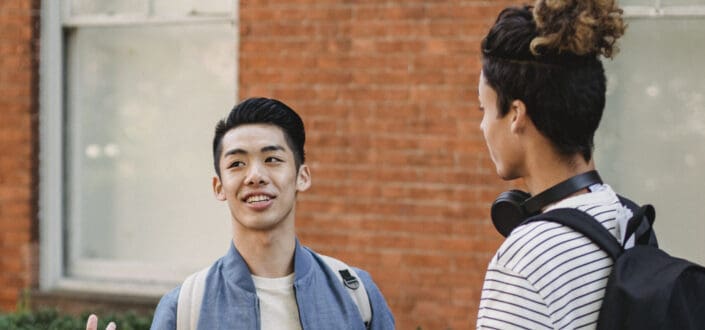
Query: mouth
{"x": 258, "y": 198}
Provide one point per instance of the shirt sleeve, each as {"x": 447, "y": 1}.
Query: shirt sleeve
{"x": 509, "y": 300}
{"x": 165, "y": 314}
{"x": 382, "y": 318}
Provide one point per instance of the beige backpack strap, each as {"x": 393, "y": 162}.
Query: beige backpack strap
{"x": 352, "y": 282}
{"x": 188, "y": 309}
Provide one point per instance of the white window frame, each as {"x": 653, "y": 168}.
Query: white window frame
{"x": 55, "y": 20}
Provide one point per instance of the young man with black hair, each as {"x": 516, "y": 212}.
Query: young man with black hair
{"x": 268, "y": 280}
{"x": 542, "y": 93}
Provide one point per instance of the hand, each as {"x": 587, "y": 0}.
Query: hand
{"x": 92, "y": 324}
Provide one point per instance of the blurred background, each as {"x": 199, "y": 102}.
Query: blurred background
{"x": 107, "y": 110}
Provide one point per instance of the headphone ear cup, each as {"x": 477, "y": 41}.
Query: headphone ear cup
{"x": 507, "y": 212}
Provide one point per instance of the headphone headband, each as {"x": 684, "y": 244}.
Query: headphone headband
{"x": 534, "y": 204}
{"x": 511, "y": 207}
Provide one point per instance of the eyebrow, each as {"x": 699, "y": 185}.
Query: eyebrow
{"x": 272, "y": 148}
{"x": 239, "y": 151}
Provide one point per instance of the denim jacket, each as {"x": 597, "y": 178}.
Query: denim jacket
{"x": 230, "y": 300}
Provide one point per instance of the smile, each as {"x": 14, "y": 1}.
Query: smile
{"x": 257, "y": 198}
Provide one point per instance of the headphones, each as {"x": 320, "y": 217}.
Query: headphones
{"x": 512, "y": 207}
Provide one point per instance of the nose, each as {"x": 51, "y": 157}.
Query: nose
{"x": 256, "y": 175}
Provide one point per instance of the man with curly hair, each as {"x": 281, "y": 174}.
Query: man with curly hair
{"x": 542, "y": 94}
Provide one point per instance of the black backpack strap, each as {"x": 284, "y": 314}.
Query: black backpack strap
{"x": 584, "y": 224}
{"x": 641, "y": 225}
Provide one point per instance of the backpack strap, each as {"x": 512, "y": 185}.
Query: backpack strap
{"x": 188, "y": 309}
{"x": 353, "y": 284}
{"x": 641, "y": 225}
{"x": 584, "y": 224}
{"x": 191, "y": 294}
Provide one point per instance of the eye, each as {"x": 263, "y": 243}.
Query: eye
{"x": 236, "y": 163}
{"x": 272, "y": 159}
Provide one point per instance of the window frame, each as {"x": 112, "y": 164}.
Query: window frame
{"x": 56, "y": 21}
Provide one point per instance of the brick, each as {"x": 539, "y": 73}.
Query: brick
{"x": 388, "y": 93}
{"x": 15, "y": 92}
{"x": 9, "y": 294}
{"x": 7, "y": 48}
{"x": 295, "y": 14}
{"x": 14, "y": 237}
{"x": 12, "y": 265}
{"x": 15, "y": 217}
{"x": 17, "y": 87}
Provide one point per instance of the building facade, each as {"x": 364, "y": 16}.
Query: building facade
{"x": 107, "y": 110}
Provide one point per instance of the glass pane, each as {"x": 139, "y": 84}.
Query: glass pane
{"x": 651, "y": 144}
{"x": 194, "y": 7}
{"x": 108, "y": 7}
{"x": 682, "y": 2}
{"x": 142, "y": 105}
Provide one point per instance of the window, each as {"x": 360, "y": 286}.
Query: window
{"x": 130, "y": 93}
{"x": 651, "y": 143}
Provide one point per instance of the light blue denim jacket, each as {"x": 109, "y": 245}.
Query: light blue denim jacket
{"x": 230, "y": 300}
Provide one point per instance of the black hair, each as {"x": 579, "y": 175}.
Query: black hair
{"x": 557, "y": 74}
{"x": 263, "y": 111}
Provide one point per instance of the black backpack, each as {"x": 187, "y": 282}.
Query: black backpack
{"x": 647, "y": 289}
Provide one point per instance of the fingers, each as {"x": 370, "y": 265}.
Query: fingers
{"x": 92, "y": 323}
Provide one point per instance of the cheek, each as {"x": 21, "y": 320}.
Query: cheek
{"x": 486, "y": 128}
{"x": 230, "y": 184}
{"x": 484, "y": 125}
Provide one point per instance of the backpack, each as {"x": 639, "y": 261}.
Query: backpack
{"x": 647, "y": 288}
{"x": 191, "y": 294}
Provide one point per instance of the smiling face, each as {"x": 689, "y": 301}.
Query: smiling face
{"x": 258, "y": 178}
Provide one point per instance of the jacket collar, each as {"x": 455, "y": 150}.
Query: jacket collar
{"x": 237, "y": 273}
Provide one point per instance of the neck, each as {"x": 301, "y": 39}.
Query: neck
{"x": 553, "y": 170}
{"x": 543, "y": 167}
{"x": 267, "y": 253}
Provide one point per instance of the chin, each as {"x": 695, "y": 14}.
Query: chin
{"x": 507, "y": 175}
{"x": 256, "y": 223}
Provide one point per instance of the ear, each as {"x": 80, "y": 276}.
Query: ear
{"x": 218, "y": 189}
{"x": 303, "y": 178}
{"x": 520, "y": 118}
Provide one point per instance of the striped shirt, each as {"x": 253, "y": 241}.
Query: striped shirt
{"x": 547, "y": 276}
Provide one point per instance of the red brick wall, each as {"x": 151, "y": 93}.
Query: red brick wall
{"x": 387, "y": 89}
{"x": 401, "y": 178}
{"x": 18, "y": 138}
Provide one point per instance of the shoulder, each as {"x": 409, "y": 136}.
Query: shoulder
{"x": 366, "y": 279}
{"x": 165, "y": 314}
{"x": 374, "y": 293}
{"x": 533, "y": 237}
{"x": 545, "y": 240}
{"x": 540, "y": 248}
{"x": 382, "y": 317}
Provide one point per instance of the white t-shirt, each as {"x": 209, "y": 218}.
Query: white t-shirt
{"x": 548, "y": 276}
{"x": 277, "y": 302}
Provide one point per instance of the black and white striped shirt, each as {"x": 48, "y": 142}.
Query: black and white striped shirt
{"x": 547, "y": 276}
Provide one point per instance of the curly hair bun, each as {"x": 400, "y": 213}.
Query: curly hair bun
{"x": 580, "y": 27}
